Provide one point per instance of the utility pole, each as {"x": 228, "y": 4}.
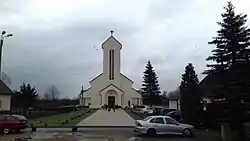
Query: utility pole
{"x": 3, "y": 36}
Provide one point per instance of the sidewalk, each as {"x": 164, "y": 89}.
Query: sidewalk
{"x": 105, "y": 118}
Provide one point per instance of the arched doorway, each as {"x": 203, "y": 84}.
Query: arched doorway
{"x": 111, "y": 97}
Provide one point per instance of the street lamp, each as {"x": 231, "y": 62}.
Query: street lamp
{"x": 3, "y": 35}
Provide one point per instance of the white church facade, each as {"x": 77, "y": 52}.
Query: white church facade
{"x": 111, "y": 85}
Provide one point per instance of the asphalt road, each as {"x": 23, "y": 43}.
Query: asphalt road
{"x": 104, "y": 135}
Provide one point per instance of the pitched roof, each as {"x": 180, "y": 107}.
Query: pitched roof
{"x": 127, "y": 78}
{"x": 4, "y": 89}
{"x": 208, "y": 85}
{"x": 109, "y": 86}
{"x": 111, "y": 37}
{"x": 96, "y": 77}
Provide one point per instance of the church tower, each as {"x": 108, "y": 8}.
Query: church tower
{"x": 111, "y": 58}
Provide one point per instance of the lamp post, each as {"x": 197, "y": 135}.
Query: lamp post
{"x": 3, "y": 35}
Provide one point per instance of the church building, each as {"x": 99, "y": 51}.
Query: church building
{"x": 111, "y": 85}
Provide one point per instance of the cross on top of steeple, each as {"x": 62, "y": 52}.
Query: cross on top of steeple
{"x": 111, "y": 32}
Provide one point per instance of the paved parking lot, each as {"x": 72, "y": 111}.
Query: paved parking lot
{"x": 115, "y": 134}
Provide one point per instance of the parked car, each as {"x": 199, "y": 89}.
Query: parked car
{"x": 12, "y": 123}
{"x": 147, "y": 111}
{"x": 175, "y": 115}
{"x": 165, "y": 111}
{"x": 154, "y": 125}
{"x": 157, "y": 111}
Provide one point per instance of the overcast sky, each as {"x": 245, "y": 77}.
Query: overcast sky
{"x": 53, "y": 39}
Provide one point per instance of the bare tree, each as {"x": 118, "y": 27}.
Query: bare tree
{"x": 47, "y": 96}
{"x": 52, "y": 92}
{"x": 174, "y": 94}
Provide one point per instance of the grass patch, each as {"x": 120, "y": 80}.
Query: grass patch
{"x": 67, "y": 119}
{"x": 135, "y": 114}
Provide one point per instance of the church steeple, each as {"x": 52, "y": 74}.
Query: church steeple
{"x": 111, "y": 57}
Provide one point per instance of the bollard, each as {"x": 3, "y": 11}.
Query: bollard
{"x": 33, "y": 129}
{"x": 74, "y": 129}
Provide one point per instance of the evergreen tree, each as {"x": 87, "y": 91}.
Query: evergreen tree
{"x": 232, "y": 41}
{"x": 150, "y": 87}
{"x": 28, "y": 96}
{"x": 190, "y": 101}
{"x": 231, "y": 64}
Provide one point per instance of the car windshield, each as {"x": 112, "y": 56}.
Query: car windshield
{"x": 146, "y": 119}
{"x": 19, "y": 117}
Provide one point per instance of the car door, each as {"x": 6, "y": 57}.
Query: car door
{"x": 173, "y": 126}
{"x": 9, "y": 121}
{"x": 2, "y": 121}
{"x": 159, "y": 125}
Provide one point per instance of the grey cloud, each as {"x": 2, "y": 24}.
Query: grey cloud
{"x": 65, "y": 57}
{"x": 162, "y": 9}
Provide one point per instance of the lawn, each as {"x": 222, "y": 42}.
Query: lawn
{"x": 67, "y": 119}
{"x": 135, "y": 114}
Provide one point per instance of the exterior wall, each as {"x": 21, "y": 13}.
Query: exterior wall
{"x": 129, "y": 92}
{"x": 111, "y": 91}
{"x": 173, "y": 104}
{"x": 5, "y": 102}
{"x": 120, "y": 81}
{"x": 99, "y": 83}
{"x": 111, "y": 43}
{"x": 94, "y": 98}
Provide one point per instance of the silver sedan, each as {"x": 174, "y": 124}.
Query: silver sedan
{"x": 162, "y": 125}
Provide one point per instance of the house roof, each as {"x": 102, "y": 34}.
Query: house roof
{"x": 209, "y": 84}
{"x": 96, "y": 77}
{"x": 109, "y": 86}
{"x": 127, "y": 78}
{"x": 4, "y": 89}
{"x": 111, "y": 37}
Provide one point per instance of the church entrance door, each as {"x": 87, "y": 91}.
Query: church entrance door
{"x": 111, "y": 100}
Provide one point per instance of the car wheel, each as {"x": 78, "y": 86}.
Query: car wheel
{"x": 151, "y": 132}
{"x": 6, "y": 130}
{"x": 187, "y": 133}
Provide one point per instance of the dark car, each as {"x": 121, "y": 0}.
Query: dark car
{"x": 164, "y": 112}
{"x": 12, "y": 123}
{"x": 175, "y": 115}
{"x": 157, "y": 111}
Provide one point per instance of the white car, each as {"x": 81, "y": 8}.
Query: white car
{"x": 153, "y": 125}
{"x": 147, "y": 111}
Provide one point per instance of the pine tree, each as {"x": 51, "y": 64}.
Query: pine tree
{"x": 232, "y": 41}
{"x": 231, "y": 64}
{"x": 150, "y": 87}
{"x": 190, "y": 101}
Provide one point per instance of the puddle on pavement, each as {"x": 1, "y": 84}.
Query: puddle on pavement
{"x": 57, "y": 136}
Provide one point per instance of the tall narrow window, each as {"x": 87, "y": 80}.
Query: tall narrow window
{"x": 113, "y": 69}
{"x": 111, "y": 64}
{"x": 110, "y": 56}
